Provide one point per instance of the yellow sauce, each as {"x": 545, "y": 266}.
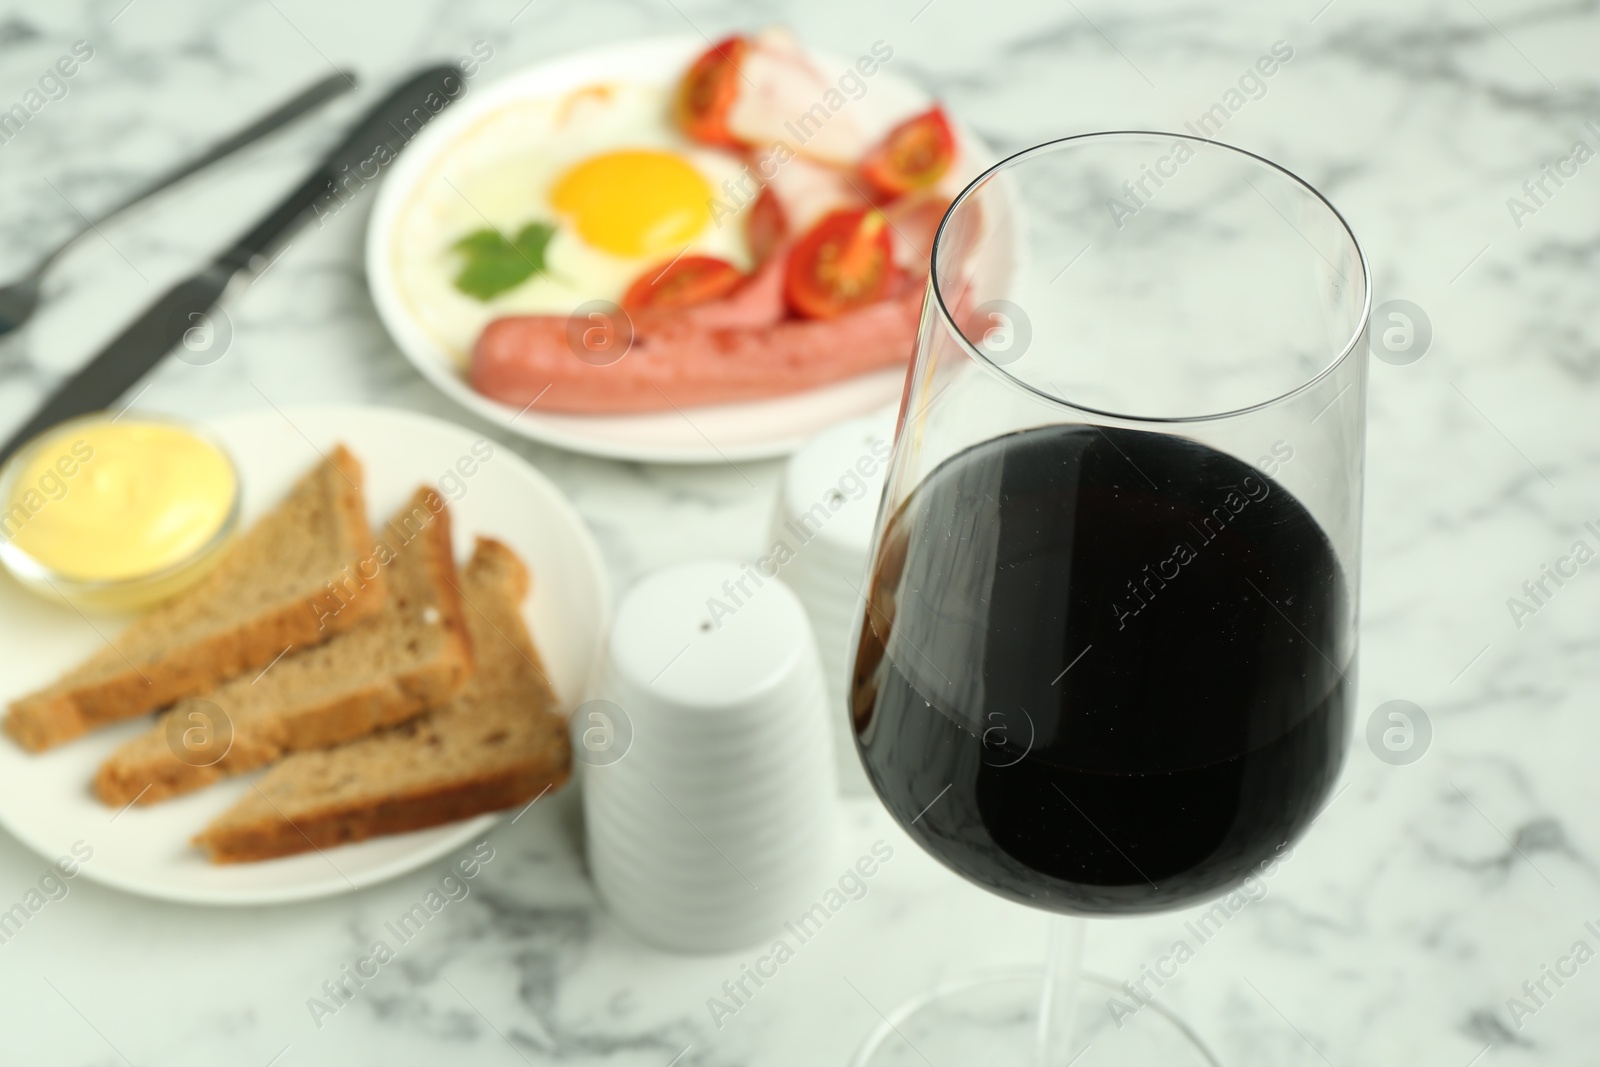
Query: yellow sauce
{"x": 97, "y": 501}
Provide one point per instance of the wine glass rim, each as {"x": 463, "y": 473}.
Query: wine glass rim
{"x": 1015, "y": 158}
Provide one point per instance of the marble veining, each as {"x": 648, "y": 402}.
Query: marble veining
{"x": 1419, "y": 919}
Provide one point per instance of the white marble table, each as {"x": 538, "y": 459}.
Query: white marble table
{"x": 1423, "y": 899}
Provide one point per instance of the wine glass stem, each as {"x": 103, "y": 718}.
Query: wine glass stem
{"x": 1059, "y": 994}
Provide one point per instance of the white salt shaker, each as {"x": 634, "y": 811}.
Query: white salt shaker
{"x": 822, "y": 534}
{"x": 714, "y": 825}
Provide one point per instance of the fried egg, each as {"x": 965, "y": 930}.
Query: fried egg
{"x": 603, "y": 165}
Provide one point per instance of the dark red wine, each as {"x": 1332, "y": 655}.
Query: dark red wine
{"x": 1103, "y": 671}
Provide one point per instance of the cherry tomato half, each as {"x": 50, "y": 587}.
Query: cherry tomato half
{"x": 708, "y": 90}
{"x": 913, "y": 155}
{"x": 766, "y": 226}
{"x": 684, "y": 283}
{"x": 842, "y": 263}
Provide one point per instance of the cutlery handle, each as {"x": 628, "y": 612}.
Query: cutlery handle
{"x": 355, "y": 162}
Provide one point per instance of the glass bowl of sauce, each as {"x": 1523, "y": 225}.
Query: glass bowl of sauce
{"x": 116, "y": 514}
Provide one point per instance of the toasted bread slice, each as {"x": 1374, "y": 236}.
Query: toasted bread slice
{"x": 285, "y": 583}
{"x": 411, "y": 655}
{"x": 500, "y": 742}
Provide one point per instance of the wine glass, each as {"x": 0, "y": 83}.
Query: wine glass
{"x": 1107, "y": 652}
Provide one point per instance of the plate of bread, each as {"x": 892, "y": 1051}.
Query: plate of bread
{"x": 377, "y": 670}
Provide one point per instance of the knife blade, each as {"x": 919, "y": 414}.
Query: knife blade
{"x": 370, "y": 146}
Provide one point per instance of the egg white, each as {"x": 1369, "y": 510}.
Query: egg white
{"x": 499, "y": 173}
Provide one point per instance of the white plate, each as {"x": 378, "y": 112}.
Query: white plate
{"x": 756, "y": 430}
{"x": 45, "y": 800}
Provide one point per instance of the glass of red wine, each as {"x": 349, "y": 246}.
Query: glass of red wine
{"x": 1107, "y": 652}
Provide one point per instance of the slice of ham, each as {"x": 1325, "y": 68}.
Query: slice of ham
{"x": 914, "y": 221}
{"x": 758, "y": 301}
{"x": 810, "y": 190}
{"x": 783, "y": 97}
{"x": 680, "y": 361}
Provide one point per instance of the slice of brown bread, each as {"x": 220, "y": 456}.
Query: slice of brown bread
{"x": 286, "y": 582}
{"x": 500, "y": 742}
{"x": 410, "y": 656}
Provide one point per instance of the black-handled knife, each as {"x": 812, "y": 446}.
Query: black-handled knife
{"x": 369, "y": 147}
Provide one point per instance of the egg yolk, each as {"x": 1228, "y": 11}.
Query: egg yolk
{"x": 634, "y": 202}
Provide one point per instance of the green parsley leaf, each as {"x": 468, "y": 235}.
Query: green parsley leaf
{"x": 492, "y": 264}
